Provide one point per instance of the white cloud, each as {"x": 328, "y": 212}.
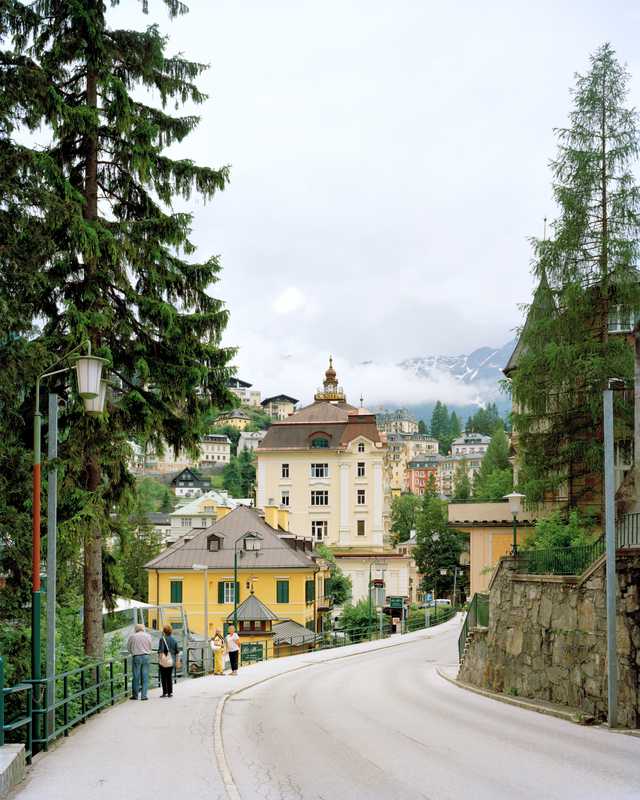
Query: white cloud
{"x": 288, "y": 301}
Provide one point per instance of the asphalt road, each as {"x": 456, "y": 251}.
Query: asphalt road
{"x": 386, "y": 725}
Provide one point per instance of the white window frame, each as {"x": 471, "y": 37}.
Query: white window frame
{"x": 285, "y": 498}
{"x": 320, "y": 494}
{"x": 362, "y": 469}
{"x": 361, "y": 447}
{"x": 361, "y": 497}
{"x": 284, "y": 471}
{"x": 321, "y": 525}
{"x": 319, "y": 469}
{"x": 229, "y": 592}
{"x": 186, "y": 522}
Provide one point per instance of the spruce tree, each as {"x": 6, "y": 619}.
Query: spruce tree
{"x": 110, "y": 260}
{"x": 461, "y": 481}
{"x": 587, "y": 274}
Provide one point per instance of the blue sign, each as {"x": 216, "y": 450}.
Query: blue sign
{"x": 429, "y": 598}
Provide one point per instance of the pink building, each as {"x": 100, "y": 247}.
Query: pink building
{"x": 418, "y": 472}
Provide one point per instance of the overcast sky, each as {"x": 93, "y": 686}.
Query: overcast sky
{"x": 389, "y": 160}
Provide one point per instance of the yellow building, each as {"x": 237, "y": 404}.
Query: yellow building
{"x": 273, "y": 565}
{"x": 490, "y": 529}
{"x": 236, "y": 419}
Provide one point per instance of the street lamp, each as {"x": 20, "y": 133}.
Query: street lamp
{"x": 515, "y": 507}
{"x": 205, "y": 572}
{"x": 88, "y": 373}
{"x": 252, "y": 542}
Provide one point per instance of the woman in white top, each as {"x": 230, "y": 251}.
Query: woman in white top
{"x": 233, "y": 648}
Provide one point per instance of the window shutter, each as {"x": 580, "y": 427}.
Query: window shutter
{"x": 310, "y": 591}
{"x": 282, "y": 592}
{"x": 220, "y": 592}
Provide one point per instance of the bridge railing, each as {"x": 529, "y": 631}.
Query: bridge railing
{"x": 477, "y": 615}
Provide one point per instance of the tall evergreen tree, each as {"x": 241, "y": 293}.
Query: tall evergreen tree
{"x": 494, "y": 478}
{"x": 110, "y": 260}
{"x": 461, "y": 482}
{"x": 438, "y": 546}
{"x": 440, "y": 427}
{"x": 587, "y": 273}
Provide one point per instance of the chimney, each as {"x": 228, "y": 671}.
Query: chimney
{"x": 271, "y": 515}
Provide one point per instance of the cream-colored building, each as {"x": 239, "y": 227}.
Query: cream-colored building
{"x": 280, "y": 406}
{"x": 202, "y": 512}
{"x": 215, "y": 448}
{"x": 236, "y": 419}
{"x": 250, "y": 440}
{"x": 325, "y": 464}
{"x": 243, "y": 391}
{"x": 470, "y": 444}
{"x": 447, "y": 468}
{"x": 390, "y": 569}
{"x": 401, "y": 449}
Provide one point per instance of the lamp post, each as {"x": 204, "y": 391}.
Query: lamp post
{"x": 205, "y": 574}
{"x": 89, "y": 375}
{"x": 253, "y": 542}
{"x": 515, "y": 507}
{"x": 377, "y": 565}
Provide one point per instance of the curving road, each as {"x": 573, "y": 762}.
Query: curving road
{"x": 386, "y": 725}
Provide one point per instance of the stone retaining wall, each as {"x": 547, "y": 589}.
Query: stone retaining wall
{"x": 547, "y": 639}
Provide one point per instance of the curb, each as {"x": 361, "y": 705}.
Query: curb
{"x": 230, "y": 786}
{"x": 568, "y": 716}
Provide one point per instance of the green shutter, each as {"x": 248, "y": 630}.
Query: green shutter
{"x": 310, "y": 591}
{"x": 176, "y": 591}
{"x": 220, "y": 592}
{"x": 282, "y": 591}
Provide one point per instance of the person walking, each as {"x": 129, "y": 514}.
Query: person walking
{"x": 167, "y": 659}
{"x": 217, "y": 646}
{"x": 139, "y": 645}
{"x": 233, "y": 648}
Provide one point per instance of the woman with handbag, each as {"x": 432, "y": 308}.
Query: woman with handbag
{"x": 167, "y": 660}
{"x": 217, "y": 646}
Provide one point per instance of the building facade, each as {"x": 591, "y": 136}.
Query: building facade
{"x": 189, "y": 483}
{"x": 282, "y": 573}
{"x": 402, "y": 448}
{"x": 236, "y": 419}
{"x": 243, "y": 391}
{"x": 325, "y": 464}
{"x": 447, "y": 468}
{"x": 250, "y": 440}
{"x": 202, "y": 512}
{"x": 470, "y": 444}
{"x": 280, "y": 406}
{"x": 399, "y": 421}
{"x": 215, "y": 448}
{"x": 418, "y": 473}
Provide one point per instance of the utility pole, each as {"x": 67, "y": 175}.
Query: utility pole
{"x": 52, "y": 535}
{"x": 610, "y": 540}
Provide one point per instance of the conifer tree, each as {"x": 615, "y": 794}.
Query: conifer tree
{"x": 106, "y": 257}
{"x": 494, "y": 478}
{"x": 461, "y": 482}
{"x": 587, "y": 273}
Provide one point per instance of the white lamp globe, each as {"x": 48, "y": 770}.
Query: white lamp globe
{"x": 89, "y": 374}
{"x": 95, "y": 405}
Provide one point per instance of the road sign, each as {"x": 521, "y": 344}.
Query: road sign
{"x": 429, "y": 598}
{"x": 396, "y": 602}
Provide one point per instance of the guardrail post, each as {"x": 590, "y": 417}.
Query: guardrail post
{"x": 126, "y": 675}
{"x": 111, "y": 682}
{"x": 65, "y": 694}
{"x": 83, "y": 703}
{"x": 1, "y": 701}
{"x": 98, "y": 679}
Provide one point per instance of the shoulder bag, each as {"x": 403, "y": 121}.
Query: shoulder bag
{"x": 165, "y": 659}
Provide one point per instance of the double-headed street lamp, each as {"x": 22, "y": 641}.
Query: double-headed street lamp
{"x": 92, "y": 389}
{"x": 515, "y": 507}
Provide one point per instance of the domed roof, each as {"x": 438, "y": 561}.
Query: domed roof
{"x": 330, "y": 374}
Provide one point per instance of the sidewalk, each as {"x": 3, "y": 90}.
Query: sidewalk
{"x": 142, "y": 751}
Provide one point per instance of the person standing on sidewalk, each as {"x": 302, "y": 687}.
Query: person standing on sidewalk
{"x": 233, "y": 648}
{"x": 139, "y": 645}
{"x": 167, "y": 660}
{"x": 217, "y": 646}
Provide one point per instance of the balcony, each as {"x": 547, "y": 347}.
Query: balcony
{"x": 324, "y": 603}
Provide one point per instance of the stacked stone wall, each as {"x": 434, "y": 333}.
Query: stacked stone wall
{"x": 547, "y": 639}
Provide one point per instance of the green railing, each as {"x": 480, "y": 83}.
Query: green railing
{"x": 560, "y": 560}
{"x": 477, "y": 616}
{"x": 15, "y": 702}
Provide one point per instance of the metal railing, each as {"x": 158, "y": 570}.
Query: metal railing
{"x": 20, "y": 713}
{"x": 628, "y": 530}
{"x": 477, "y": 616}
{"x": 560, "y": 560}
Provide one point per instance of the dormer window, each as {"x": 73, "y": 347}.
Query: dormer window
{"x": 213, "y": 543}
{"x": 320, "y": 442}
{"x": 361, "y": 447}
